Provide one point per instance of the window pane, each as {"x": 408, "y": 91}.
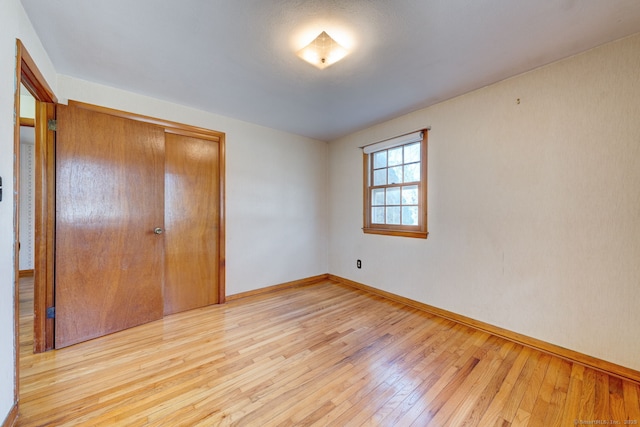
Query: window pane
{"x": 393, "y": 215}
{"x": 380, "y": 177}
{"x": 377, "y": 215}
{"x": 380, "y": 159}
{"x": 409, "y": 215}
{"x": 410, "y": 195}
{"x": 412, "y": 172}
{"x": 395, "y": 156}
{"x": 412, "y": 153}
{"x": 395, "y": 175}
{"x": 393, "y": 196}
{"x": 395, "y": 185}
{"x": 377, "y": 197}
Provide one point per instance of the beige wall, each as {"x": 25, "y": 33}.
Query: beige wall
{"x": 534, "y": 206}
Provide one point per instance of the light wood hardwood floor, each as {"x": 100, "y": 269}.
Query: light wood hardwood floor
{"x": 319, "y": 355}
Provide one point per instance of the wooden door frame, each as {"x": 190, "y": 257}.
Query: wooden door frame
{"x": 28, "y": 74}
{"x": 196, "y": 132}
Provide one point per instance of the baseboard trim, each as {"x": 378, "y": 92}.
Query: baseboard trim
{"x": 25, "y": 273}
{"x": 12, "y": 417}
{"x": 294, "y": 284}
{"x": 555, "y": 350}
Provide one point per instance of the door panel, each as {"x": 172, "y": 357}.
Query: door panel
{"x": 192, "y": 194}
{"x": 110, "y": 197}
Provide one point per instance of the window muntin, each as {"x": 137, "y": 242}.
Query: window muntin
{"x": 395, "y": 190}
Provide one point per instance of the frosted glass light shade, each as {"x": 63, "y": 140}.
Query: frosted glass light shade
{"x": 322, "y": 51}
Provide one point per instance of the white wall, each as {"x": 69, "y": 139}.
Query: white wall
{"x": 27, "y": 182}
{"x": 276, "y": 185}
{"x": 27, "y": 104}
{"x": 27, "y": 198}
{"x": 534, "y": 207}
{"x": 13, "y": 24}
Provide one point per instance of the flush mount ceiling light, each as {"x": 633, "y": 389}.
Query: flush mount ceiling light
{"x": 323, "y": 51}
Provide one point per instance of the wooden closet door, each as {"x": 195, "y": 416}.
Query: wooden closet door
{"x": 110, "y": 198}
{"x": 192, "y": 203}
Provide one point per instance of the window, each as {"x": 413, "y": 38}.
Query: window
{"x": 395, "y": 186}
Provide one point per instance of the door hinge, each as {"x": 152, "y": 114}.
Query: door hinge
{"x": 51, "y": 313}
{"x": 52, "y": 124}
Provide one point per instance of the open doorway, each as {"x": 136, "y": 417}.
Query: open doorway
{"x": 33, "y": 188}
{"x": 26, "y": 223}
{"x": 29, "y": 77}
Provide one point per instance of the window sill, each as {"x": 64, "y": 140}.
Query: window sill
{"x": 399, "y": 233}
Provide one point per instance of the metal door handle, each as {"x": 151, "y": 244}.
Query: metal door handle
{"x": 157, "y": 230}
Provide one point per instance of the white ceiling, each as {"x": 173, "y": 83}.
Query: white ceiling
{"x": 238, "y": 57}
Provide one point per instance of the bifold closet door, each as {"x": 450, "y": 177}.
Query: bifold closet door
{"x": 110, "y": 199}
{"x": 192, "y": 229}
